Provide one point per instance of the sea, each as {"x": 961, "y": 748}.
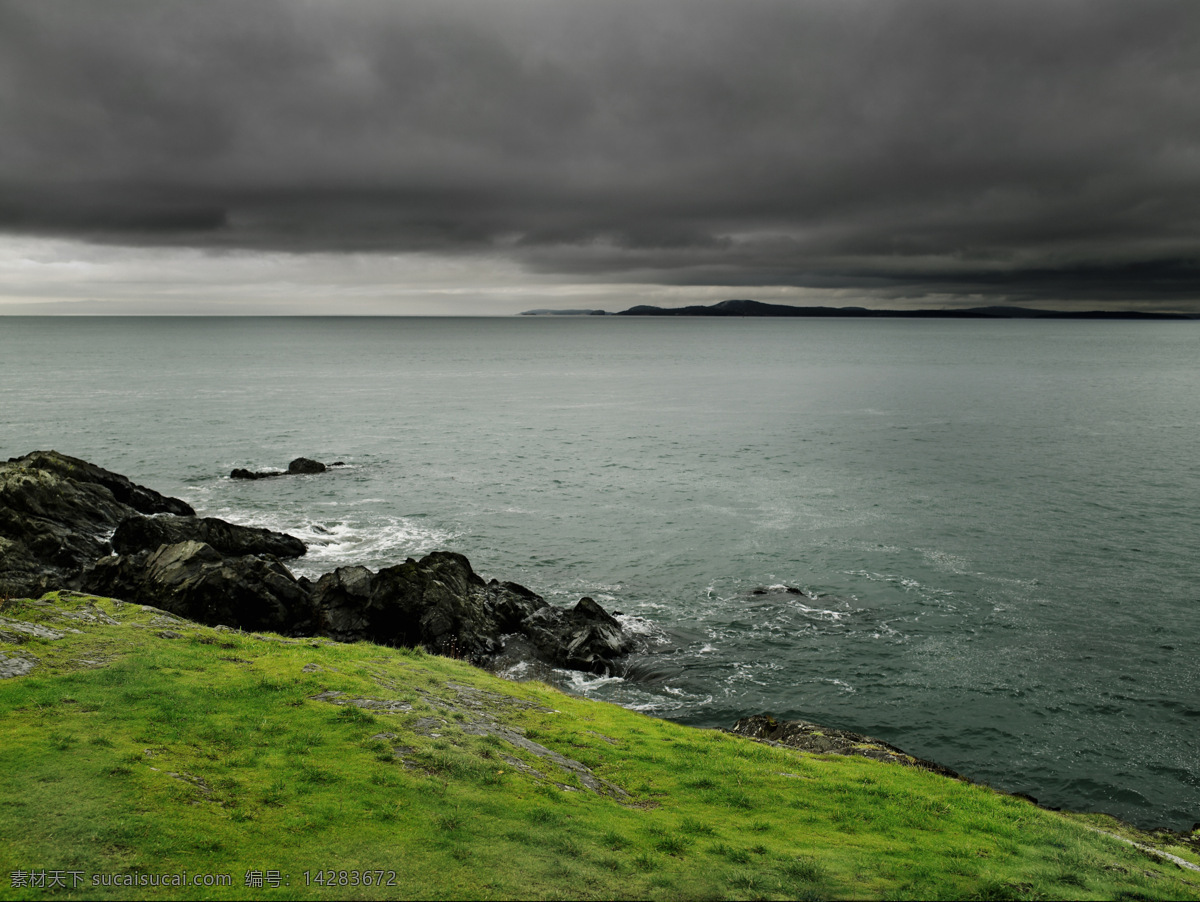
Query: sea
{"x": 976, "y": 540}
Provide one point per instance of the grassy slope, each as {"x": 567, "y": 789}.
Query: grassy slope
{"x": 147, "y": 746}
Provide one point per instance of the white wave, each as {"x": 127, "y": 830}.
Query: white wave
{"x": 338, "y": 542}
{"x": 586, "y": 683}
{"x": 640, "y": 626}
{"x": 823, "y": 613}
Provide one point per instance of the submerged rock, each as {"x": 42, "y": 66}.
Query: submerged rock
{"x": 147, "y": 533}
{"x": 299, "y": 467}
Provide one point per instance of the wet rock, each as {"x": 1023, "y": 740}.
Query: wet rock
{"x": 585, "y": 637}
{"x": 305, "y": 465}
{"x": 147, "y": 533}
{"x": 193, "y": 580}
{"x": 299, "y": 467}
{"x": 239, "y": 473}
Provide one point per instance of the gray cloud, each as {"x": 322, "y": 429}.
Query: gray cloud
{"x": 1021, "y": 150}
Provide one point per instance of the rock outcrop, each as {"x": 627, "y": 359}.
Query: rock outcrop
{"x": 57, "y": 515}
{"x": 439, "y": 602}
{"x": 147, "y": 533}
{"x": 813, "y": 737}
{"x": 194, "y": 580}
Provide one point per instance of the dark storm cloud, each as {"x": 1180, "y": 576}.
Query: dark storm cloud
{"x": 1027, "y": 150}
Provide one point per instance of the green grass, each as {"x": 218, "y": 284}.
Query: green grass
{"x": 208, "y": 754}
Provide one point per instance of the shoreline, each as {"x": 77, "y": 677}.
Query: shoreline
{"x": 147, "y": 574}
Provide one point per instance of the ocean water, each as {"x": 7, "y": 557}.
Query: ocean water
{"x": 994, "y": 526}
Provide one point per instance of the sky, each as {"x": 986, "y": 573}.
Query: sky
{"x": 475, "y": 157}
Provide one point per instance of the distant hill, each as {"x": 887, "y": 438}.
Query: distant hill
{"x": 564, "y": 313}
{"x": 741, "y": 307}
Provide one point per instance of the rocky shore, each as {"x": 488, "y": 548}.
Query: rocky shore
{"x": 67, "y": 523}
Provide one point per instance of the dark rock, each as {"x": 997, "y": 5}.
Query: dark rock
{"x": 440, "y": 603}
{"x": 193, "y": 580}
{"x": 140, "y": 498}
{"x": 304, "y": 465}
{"x": 56, "y": 513}
{"x": 147, "y": 533}
{"x": 585, "y": 637}
{"x": 260, "y": 474}
{"x": 298, "y": 467}
{"x": 813, "y": 737}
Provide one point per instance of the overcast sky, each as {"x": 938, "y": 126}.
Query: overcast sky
{"x": 493, "y": 156}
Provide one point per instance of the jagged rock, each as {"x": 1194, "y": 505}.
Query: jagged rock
{"x": 440, "y": 603}
{"x": 147, "y": 533}
{"x": 585, "y": 637}
{"x": 830, "y": 741}
{"x": 56, "y": 512}
{"x": 191, "y": 579}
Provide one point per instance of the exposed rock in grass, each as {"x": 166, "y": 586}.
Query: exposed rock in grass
{"x": 813, "y": 737}
{"x": 15, "y": 665}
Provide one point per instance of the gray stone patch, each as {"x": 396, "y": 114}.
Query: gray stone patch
{"x": 91, "y": 615}
{"x": 477, "y": 720}
{"x": 13, "y": 666}
{"x": 426, "y": 725}
{"x": 30, "y": 630}
{"x": 383, "y": 737}
{"x": 581, "y": 772}
{"x": 384, "y": 705}
{"x": 169, "y": 634}
{"x": 166, "y": 620}
{"x": 310, "y": 668}
{"x": 520, "y": 766}
{"x": 193, "y": 781}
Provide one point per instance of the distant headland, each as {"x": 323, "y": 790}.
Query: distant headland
{"x": 758, "y": 308}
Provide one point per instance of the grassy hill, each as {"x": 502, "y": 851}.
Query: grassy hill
{"x": 143, "y": 748}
